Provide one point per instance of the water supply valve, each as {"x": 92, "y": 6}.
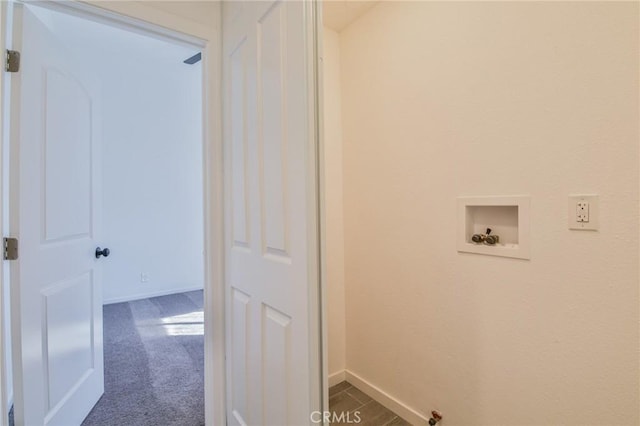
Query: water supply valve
{"x": 486, "y": 238}
{"x": 435, "y": 418}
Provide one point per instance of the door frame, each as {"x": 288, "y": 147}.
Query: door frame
{"x": 157, "y": 23}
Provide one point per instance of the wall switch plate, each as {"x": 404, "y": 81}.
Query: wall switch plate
{"x": 583, "y": 212}
{"x": 144, "y": 278}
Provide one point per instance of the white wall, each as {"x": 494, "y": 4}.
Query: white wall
{"x": 334, "y": 226}
{"x": 201, "y": 12}
{"x": 444, "y": 99}
{"x": 152, "y": 168}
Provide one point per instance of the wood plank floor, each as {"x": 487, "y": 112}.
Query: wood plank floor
{"x": 346, "y": 398}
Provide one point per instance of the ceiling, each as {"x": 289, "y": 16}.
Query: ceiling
{"x": 338, "y": 14}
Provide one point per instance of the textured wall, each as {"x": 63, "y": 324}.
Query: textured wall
{"x": 448, "y": 99}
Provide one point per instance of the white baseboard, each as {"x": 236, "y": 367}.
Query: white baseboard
{"x": 149, "y": 294}
{"x": 393, "y": 404}
{"x": 337, "y": 377}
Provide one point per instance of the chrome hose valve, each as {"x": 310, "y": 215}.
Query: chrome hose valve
{"x": 486, "y": 238}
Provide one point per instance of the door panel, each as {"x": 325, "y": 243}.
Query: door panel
{"x": 67, "y": 190}
{"x": 67, "y": 336}
{"x": 239, "y": 345}
{"x": 238, "y": 133}
{"x": 56, "y": 283}
{"x": 272, "y": 136}
{"x": 278, "y": 386}
{"x": 271, "y": 246}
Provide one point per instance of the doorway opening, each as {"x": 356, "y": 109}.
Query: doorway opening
{"x": 145, "y": 202}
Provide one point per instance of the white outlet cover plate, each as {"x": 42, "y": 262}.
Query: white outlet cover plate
{"x": 572, "y": 216}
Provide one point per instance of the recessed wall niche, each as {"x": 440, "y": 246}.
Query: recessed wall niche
{"x": 506, "y": 217}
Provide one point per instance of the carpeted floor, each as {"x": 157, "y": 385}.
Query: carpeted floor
{"x": 154, "y": 363}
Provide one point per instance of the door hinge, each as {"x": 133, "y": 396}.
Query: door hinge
{"x": 10, "y": 249}
{"x": 13, "y": 61}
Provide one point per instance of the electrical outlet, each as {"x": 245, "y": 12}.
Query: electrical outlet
{"x": 583, "y": 212}
{"x": 144, "y": 278}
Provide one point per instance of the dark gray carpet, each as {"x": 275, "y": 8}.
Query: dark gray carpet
{"x": 154, "y": 363}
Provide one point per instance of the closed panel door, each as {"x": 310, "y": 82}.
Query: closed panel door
{"x": 56, "y": 293}
{"x": 271, "y": 226}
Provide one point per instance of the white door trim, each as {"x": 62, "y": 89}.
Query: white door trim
{"x": 317, "y": 322}
{"x": 4, "y": 82}
{"x": 157, "y": 23}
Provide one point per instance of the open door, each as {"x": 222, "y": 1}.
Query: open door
{"x": 55, "y": 191}
{"x": 271, "y": 221}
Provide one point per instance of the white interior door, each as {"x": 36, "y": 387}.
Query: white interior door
{"x": 56, "y": 288}
{"x": 271, "y": 246}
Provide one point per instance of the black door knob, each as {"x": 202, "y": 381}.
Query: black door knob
{"x": 102, "y": 252}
